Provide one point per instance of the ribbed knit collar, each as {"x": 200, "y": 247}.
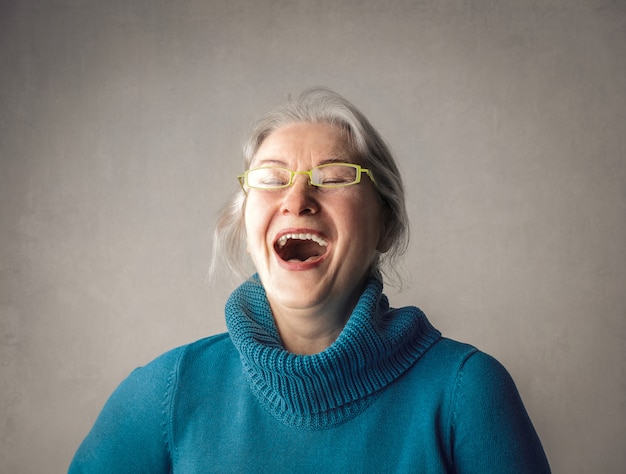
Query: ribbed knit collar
{"x": 376, "y": 346}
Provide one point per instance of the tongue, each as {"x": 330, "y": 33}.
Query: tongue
{"x": 300, "y": 250}
{"x": 298, "y": 259}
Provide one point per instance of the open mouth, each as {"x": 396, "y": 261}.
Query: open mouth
{"x": 300, "y": 247}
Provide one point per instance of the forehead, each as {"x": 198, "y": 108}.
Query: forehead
{"x": 305, "y": 141}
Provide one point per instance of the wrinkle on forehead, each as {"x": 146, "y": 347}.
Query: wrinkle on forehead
{"x": 300, "y": 143}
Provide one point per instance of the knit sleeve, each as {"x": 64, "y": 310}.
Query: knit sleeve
{"x": 131, "y": 434}
{"x": 491, "y": 430}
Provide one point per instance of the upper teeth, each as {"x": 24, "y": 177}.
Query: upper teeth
{"x": 315, "y": 238}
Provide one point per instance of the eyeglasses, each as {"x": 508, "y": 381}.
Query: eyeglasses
{"x": 331, "y": 175}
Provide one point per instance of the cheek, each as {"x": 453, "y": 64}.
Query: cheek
{"x": 249, "y": 227}
{"x": 365, "y": 216}
{"x": 255, "y": 223}
{"x": 248, "y": 224}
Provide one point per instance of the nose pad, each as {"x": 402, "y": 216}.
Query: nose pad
{"x": 303, "y": 173}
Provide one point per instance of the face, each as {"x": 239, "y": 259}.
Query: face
{"x": 312, "y": 247}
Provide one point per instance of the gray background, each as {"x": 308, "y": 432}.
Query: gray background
{"x": 120, "y": 127}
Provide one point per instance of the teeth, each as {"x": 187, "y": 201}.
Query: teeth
{"x": 315, "y": 238}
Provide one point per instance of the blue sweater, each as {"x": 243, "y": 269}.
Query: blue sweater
{"x": 390, "y": 395}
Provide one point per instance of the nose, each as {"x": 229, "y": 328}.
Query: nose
{"x": 299, "y": 198}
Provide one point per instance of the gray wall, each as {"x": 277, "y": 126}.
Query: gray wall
{"x": 120, "y": 125}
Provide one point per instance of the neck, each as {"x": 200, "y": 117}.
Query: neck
{"x": 311, "y": 329}
{"x": 307, "y": 333}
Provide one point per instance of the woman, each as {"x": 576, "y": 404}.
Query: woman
{"x": 316, "y": 373}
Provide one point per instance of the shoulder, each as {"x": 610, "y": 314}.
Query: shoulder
{"x": 214, "y": 343}
{"x": 444, "y": 359}
{"x": 148, "y": 385}
{"x": 207, "y": 347}
{"x": 470, "y": 374}
{"x": 451, "y": 351}
{"x": 486, "y": 414}
{"x": 133, "y": 431}
{"x": 460, "y": 360}
{"x": 481, "y": 378}
{"x": 454, "y": 372}
{"x": 169, "y": 364}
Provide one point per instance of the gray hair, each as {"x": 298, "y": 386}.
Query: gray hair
{"x": 319, "y": 105}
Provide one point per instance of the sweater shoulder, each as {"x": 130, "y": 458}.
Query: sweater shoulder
{"x": 133, "y": 432}
{"x": 450, "y": 355}
{"x": 487, "y": 425}
{"x": 170, "y": 359}
{"x": 465, "y": 360}
{"x": 471, "y": 373}
{"x": 487, "y": 415}
{"x": 165, "y": 369}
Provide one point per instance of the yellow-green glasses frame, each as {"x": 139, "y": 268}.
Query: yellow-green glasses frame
{"x": 329, "y": 175}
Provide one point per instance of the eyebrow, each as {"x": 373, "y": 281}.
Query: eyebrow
{"x": 332, "y": 160}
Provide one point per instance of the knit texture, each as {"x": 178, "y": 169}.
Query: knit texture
{"x": 196, "y": 409}
{"x": 377, "y": 345}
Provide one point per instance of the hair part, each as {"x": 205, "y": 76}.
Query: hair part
{"x": 319, "y": 105}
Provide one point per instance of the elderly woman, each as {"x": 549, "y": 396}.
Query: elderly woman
{"x": 317, "y": 372}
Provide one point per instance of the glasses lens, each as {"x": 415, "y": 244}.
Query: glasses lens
{"x": 268, "y": 178}
{"x": 334, "y": 175}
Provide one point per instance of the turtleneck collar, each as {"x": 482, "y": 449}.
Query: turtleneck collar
{"x": 376, "y": 346}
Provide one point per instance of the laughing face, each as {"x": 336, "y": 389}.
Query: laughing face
{"x": 312, "y": 247}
